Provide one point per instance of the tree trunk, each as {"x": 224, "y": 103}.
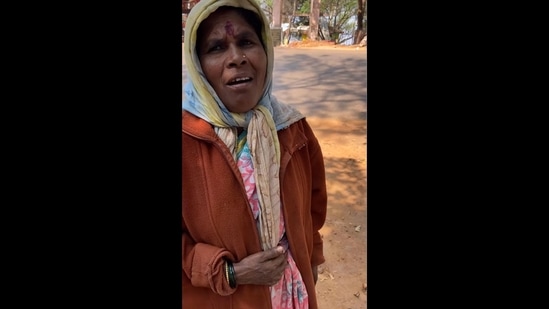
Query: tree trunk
{"x": 277, "y": 13}
{"x": 313, "y": 19}
{"x": 359, "y": 33}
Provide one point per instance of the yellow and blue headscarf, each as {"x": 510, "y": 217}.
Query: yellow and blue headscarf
{"x": 200, "y": 98}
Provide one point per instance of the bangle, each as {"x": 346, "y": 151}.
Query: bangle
{"x": 231, "y": 276}
{"x": 227, "y": 272}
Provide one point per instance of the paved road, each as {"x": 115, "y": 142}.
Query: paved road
{"x": 324, "y": 83}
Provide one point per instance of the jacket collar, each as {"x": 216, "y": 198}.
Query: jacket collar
{"x": 290, "y": 140}
{"x": 197, "y": 127}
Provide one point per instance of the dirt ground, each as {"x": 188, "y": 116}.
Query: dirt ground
{"x": 322, "y": 44}
{"x": 342, "y": 279}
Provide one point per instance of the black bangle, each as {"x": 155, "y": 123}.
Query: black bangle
{"x": 232, "y": 278}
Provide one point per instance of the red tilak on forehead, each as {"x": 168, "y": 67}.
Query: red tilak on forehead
{"x": 229, "y": 28}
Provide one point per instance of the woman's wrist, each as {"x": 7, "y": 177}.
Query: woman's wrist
{"x": 238, "y": 270}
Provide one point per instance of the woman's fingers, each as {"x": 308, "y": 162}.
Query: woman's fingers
{"x": 272, "y": 253}
{"x": 264, "y": 268}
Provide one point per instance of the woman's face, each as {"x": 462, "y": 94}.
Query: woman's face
{"x": 233, "y": 60}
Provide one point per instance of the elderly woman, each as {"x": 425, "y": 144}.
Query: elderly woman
{"x": 254, "y": 190}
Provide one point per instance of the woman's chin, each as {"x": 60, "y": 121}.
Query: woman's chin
{"x": 240, "y": 107}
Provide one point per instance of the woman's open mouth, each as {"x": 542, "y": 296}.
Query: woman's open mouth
{"x": 239, "y": 80}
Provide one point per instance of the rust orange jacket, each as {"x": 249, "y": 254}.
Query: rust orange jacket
{"x": 218, "y": 222}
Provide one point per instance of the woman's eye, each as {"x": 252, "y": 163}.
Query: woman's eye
{"x": 215, "y": 48}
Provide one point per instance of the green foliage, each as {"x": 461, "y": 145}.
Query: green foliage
{"x": 340, "y": 14}
{"x": 305, "y": 7}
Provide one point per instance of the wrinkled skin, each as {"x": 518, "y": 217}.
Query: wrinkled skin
{"x": 229, "y": 48}
{"x": 262, "y": 268}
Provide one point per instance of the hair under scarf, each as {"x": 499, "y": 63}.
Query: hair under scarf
{"x": 262, "y": 122}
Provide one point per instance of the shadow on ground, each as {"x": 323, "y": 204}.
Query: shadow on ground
{"x": 344, "y": 233}
{"x": 343, "y": 275}
{"x": 323, "y": 85}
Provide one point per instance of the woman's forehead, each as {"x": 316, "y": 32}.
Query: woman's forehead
{"x": 227, "y": 20}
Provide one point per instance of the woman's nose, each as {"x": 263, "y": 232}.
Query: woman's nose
{"x": 236, "y": 56}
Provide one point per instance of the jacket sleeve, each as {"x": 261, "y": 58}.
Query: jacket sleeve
{"x": 204, "y": 265}
{"x": 319, "y": 198}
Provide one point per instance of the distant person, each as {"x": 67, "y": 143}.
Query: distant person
{"x": 254, "y": 188}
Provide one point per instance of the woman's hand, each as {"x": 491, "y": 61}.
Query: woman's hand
{"x": 262, "y": 268}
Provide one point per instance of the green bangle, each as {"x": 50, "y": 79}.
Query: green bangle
{"x": 232, "y": 277}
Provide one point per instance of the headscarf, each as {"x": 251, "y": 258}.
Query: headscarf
{"x": 262, "y": 122}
